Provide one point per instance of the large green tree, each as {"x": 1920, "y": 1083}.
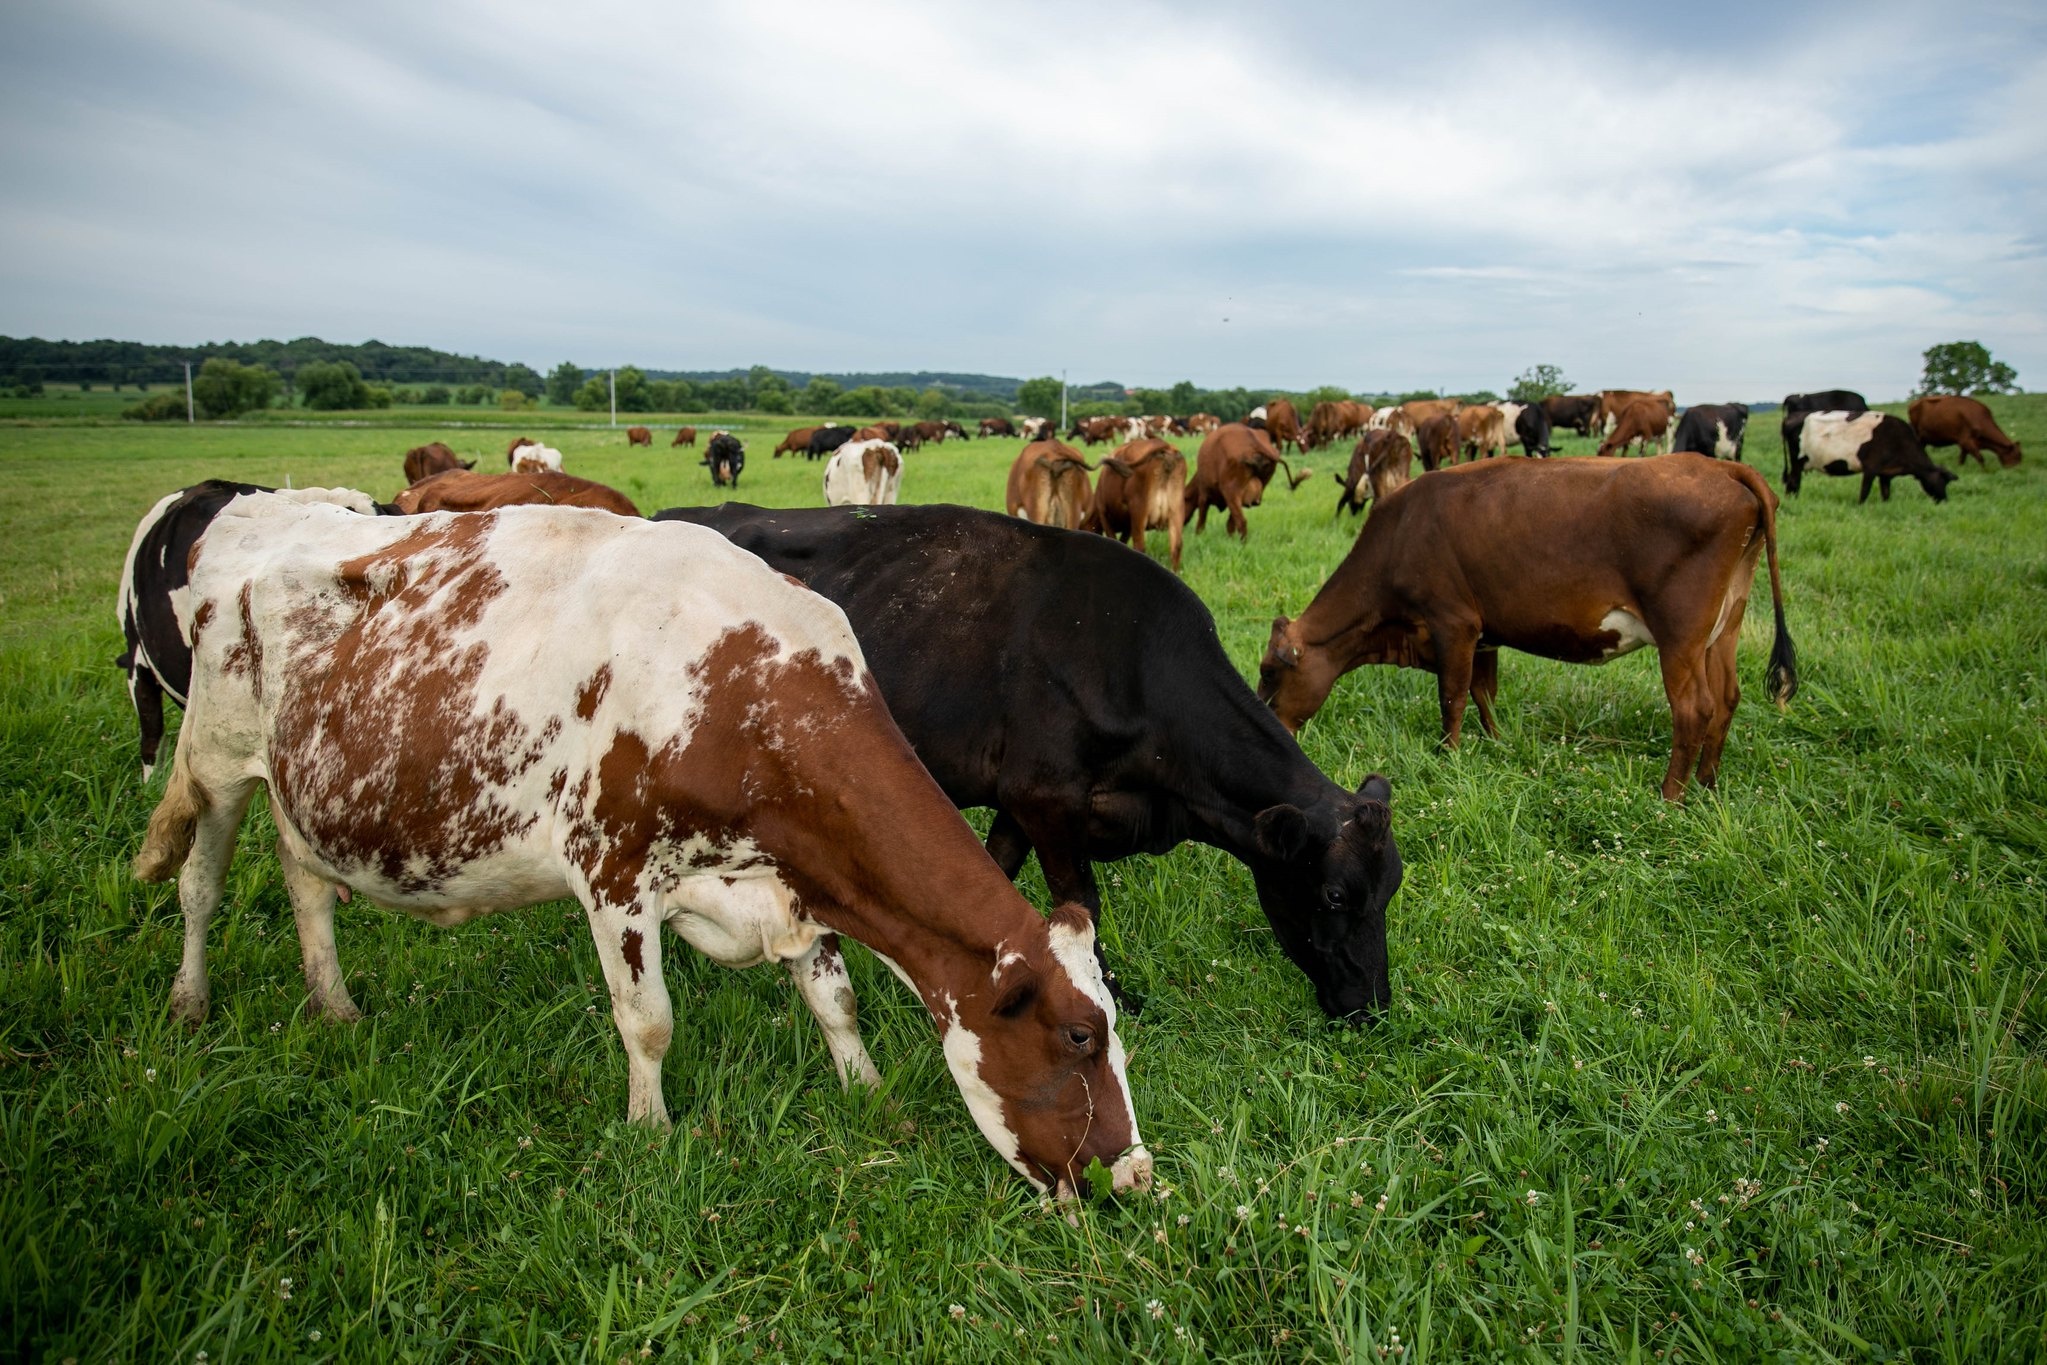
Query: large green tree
{"x": 524, "y": 378}
{"x": 819, "y": 395}
{"x": 1038, "y": 397}
{"x": 224, "y": 388}
{"x": 332, "y": 387}
{"x": 562, "y": 382}
{"x": 1538, "y": 382}
{"x": 1965, "y": 367}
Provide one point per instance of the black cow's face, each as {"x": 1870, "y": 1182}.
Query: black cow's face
{"x": 1935, "y": 481}
{"x": 1325, "y": 876}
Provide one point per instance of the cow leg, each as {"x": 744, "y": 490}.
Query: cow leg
{"x": 1455, "y": 656}
{"x": 312, "y": 906}
{"x": 1485, "y": 685}
{"x": 1725, "y": 689}
{"x": 1692, "y": 709}
{"x": 147, "y": 693}
{"x": 200, "y": 885}
{"x": 1173, "y": 538}
{"x": 1238, "y": 525}
{"x": 628, "y": 940}
{"x": 1135, "y": 539}
{"x": 821, "y": 979}
{"x": 1008, "y": 845}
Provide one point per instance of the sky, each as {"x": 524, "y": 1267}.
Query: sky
{"x": 1732, "y": 201}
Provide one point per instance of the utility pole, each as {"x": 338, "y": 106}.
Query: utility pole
{"x": 1062, "y": 400}
{"x": 189, "y": 418}
{"x": 614, "y": 396}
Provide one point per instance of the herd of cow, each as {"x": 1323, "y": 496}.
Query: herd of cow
{"x": 497, "y": 690}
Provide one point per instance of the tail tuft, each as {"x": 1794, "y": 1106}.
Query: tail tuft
{"x": 172, "y": 827}
{"x": 1782, "y": 675}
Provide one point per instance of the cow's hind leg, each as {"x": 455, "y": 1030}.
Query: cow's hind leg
{"x": 202, "y": 881}
{"x": 1724, "y": 686}
{"x": 1692, "y": 709}
{"x": 1456, "y": 658}
{"x": 628, "y": 940}
{"x": 312, "y": 907}
{"x": 821, "y": 979}
{"x": 147, "y": 693}
{"x": 1485, "y": 686}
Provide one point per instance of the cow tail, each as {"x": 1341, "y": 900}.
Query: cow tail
{"x": 1781, "y": 677}
{"x": 174, "y": 823}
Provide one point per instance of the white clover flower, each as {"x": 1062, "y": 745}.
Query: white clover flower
{"x": 1243, "y": 1211}
{"x": 1534, "y": 1197}
{"x": 958, "y": 1311}
{"x": 1155, "y": 1308}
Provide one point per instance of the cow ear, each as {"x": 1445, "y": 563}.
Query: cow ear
{"x": 1282, "y": 832}
{"x": 1280, "y": 645}
{"x": 1376, "y": 788}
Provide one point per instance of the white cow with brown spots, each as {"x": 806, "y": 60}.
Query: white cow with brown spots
{"x": 863, "y": 473}
{"x": 457, "y": 714}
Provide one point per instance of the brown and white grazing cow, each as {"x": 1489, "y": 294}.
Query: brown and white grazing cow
{"x": 997, "y": 426}
{"x": 1231, "y": 472}
{"x": 1643, "y": 423}
{"x": 1201, "y": 423}
{"x": 1481, "y": 431}
{"x": 1395, "y": 420}
{"x": 1615, "y": 402}
{"x": 432, "y": 458}
{"x": 638, "y": 436}
{"x": 536, "y": 459}
{"x": 1437, "y": 438}
{"x": 512, "y": 450}
{"x": 1948, "y": 419}
{"x": 1576, "y": 560}
{"x": 461, "y": 490}
{"x": 1036, "y": 428}
{"x": 1379, "y": 463}
{"x": 461, "y": 714}
{"x": 1143, "y": 487}
{"x": 684, "y": 436}
{"x": 863, "y": 473}
{"x": 1283, "y": 425}
{"x": 1048, "y": 484}
{"x": 796, "y": 442}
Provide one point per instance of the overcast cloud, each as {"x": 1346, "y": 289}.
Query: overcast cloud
{"x": 1735, "y": 202}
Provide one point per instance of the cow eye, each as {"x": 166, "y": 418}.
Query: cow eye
{"x": 1334, "y": 897}
{"x": 1080, "y": 1036}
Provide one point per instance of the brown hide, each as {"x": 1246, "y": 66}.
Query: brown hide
{"x": 1437, "y": 438}
{"x": 432, "y": 458}
{"x": 638, "y": 436}
{"x": 1947, "y": 419}
{"x": 1283, "y": 425}
{"x": 1422, "y": 409}
{"x": 684, "y": 436}
{"x": 796, "y": 442}
{"x": 1379, "y": 465}
{"x": 459, "y": 490}
{"x": 1235, "y": 464}
{"x": 1482, "y": 431}
{"x": 1048, "y": 484}
{"x": 1143, "y": 487}
{"x": 1614, "y": 402}
{"x": 1565, "y": 559}
{"x": 1643, "y": 422}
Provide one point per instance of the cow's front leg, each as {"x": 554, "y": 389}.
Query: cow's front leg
{"x": 822, "y": 981}
{"x": 628, "y": 939}
{"x": 1455, "y": 656}
{"x": 1485, "y": 685}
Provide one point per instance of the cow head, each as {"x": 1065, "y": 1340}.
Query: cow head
{"x": 1294, "y": 679}
{"x": 1935, "y": 479}
{"x": 1325, "y": 875}
{"x": 1037, "y": 1057}
{"x": 2010, "y": 458}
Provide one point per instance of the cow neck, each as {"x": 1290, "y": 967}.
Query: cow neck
{"x": 1333, "y": 622}
{"x": 1261, "y": 768}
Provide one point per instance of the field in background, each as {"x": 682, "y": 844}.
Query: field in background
{"x": 1761, "y": 1073}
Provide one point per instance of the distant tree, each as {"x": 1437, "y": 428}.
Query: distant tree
{"x": 688, "y": 398}
{"x": 165, "y": 406}
{"x": 933, "y": 404}
{"x": 223, "y": 388}
{"x": 868, "y": 400}
{"x": 632, "y": 390}
{"x": 524, "y": 378}
{"x": 334, "y": 386}
{"x": 1150, "y": 400}
{"x": 594, "y": 395}
{"x": 819, "y": 395}
{"x": 1417, "y": 396}
{"x": 1965, "y": 367}
{"x": 562, "y": 382}
{"x": 434, "y": 395}
{"x": 1038, "y": 397}
{"x": 1328, "y": 393}
{"x": 781, "y": 400}
{"x": 760, "y": 379}
{"x": 1479, "y": 396}
{"x": 1183, "y": 399}
{"x": 724, "y": 395}
{"x": 661, "y": 395}
{"x": 379, "y": 396}
{"x": 1538, "y": 382}
{"x": 512, "y": 400}
{"x": 476, "y": 395}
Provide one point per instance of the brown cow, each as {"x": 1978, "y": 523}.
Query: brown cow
{"x": 1356, "y": 417}
{"x": 1379, "y": 463}
{"x": 873, "y": 433}
{"x": 1575, "y": 560}
{"x": 1946, "y": 419}
{"x": 1231, "y": 471}
{"x": 512, "y": 450}
{"x": 459, "y": 490}
{"x": 1481, "y": 431}
{"x": 684, "y": 436}
{"x": 997, "y": 426}
{"x": 1048, "y": 484}
{"x": 796, "y": 442}
{"x": 1394, "y": 420}
{"x": 638, "y": 436}
{"x": 1437, "y": 437}
{"x": 1644, "y": 422}
{"x": 1421, "y": 410}
{"x": 932, "y": 433}
{"x": 1325, "y": 426}
{"x": 1606, "y": 414}
{"x": 432, "y": 458}
{"x": 1201, "y": 423}
{"x": 1143, "y": 488}
{"x": 1283, "y": 425}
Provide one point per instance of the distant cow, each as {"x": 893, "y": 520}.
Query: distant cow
{"x": 1036, "y": 428}
{"x": 461, "y": 490}
{"x": 1952, "y": 420}
{"x": 1231, "y": 472}
{"x": 1875, "y": 445}
{"x": 1573, "y": 410}
{"x": 1825, "y": 400}
{"x": 1481, "y": 431}
{"x": 684, "y": 436}
{"x": 1642, "y": 423}
{"x": 1379, "y": 463}
{"x": 512, "y": 450}
{"x": 1437, "y": 438}
{"x": 1532, "y": 430}
{"x": 725, "y": 457}
{"x": 432, "y": 458}
{"x": 1201, "y": 423}
{"x": 1420, "y": 410}
{"x": 1143, "y": 487}
{"x": 1614, "y": 402}
{"x": 1395, "y": 420}
{"x": 825, "y": 440}
{"x": 997, "y": 426}
{"x": 638, "y": 436}
{"x": 796, "y": 442}
{"x": 1575, "y": 560}
{"x": 1283, "y": 425}
{"x": 1048, "y": 484}
{"x": 863, "y": 473}
{"x": 152, "y": 603}
{"x": 535, "y": 458}
{"x": 1712, "y": 429}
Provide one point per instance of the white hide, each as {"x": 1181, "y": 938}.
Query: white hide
{"x": 1633, "y": 632}
{"x": 1074, "y": 949}
{"x": 1512, "y": 413}
{"x": 846, "y": 481}
{"x": 1833, "y": 441}
{"x": 536, "y": 460}
{"x": 1724, "y": 445}
{"x": 1256, "y": 414}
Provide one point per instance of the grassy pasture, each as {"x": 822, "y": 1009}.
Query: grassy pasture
{"x": 1762, "y": 1074}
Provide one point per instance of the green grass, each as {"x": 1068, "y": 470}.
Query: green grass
{"x": 1761, "y": 1075}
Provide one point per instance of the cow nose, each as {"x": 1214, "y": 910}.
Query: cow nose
{"x": 1132, "y": 1171}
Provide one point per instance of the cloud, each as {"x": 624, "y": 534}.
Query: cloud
{"x": 1368, "y": 199}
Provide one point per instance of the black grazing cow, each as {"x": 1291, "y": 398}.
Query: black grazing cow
{"x": 1796, "y": 406}
{"x": 158, "y": 660}
{"x": 1079, "y": 689}
{"x": 1573, "y": 410}
{"x": 1875, "y": 445}
{"x": 725, "y": 457}
{"x": 1712, "y": 429}
{"x": 1532, "y": 426}
{"x": 825, "y": 440}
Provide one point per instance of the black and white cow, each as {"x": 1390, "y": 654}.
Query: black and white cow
{"x": 1531, "y": 428}
{"x": 1875, "y": 445}
{"x": 1079, "y": 689}
{"x": 151, "y": 602}
{"x": 725, "y": 457}
{"x": 1712, "y": 429}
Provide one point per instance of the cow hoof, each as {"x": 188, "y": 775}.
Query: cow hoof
{"x": 333, "y": 1012}
{"x": 189, "y": 1010}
